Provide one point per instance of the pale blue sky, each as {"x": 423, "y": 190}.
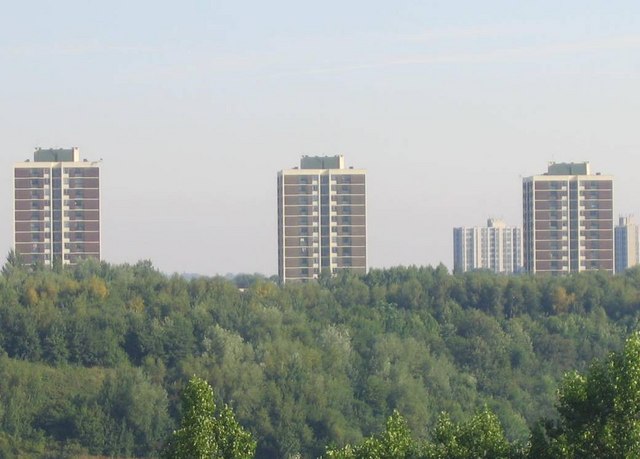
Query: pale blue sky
{"x": 194, "y": 107}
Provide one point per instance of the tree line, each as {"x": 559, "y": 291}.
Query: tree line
{"x": 93, "y": 358}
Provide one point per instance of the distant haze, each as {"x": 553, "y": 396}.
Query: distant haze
{"x": 194, "y": 107}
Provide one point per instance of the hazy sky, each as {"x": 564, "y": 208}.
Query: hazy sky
{"x": 195, "y": 105}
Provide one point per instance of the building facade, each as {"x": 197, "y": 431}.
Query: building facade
{"x": 322, "y": 219}
{"x": 56, "y": 208}
{"x": 568, "y": 220}
{"x": 626, "y": 244}
{"x": 496, "y": 247}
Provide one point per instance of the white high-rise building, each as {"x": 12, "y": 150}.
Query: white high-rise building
{"x": 626, "y": 244}
{"x": 495, "y": 247}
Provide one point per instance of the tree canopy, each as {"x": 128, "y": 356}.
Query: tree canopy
{"x": 93, "y": 358}
{"x": 599, "y": 410}
{"x": 202, "y": 433}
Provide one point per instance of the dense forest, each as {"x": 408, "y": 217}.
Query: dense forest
{"x": 93, "y": 358}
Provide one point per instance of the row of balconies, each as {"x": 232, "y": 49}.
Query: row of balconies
{"x": 68, "y": 247}
{"x": 312, "y": 179}
{"x": 334, "y": 199}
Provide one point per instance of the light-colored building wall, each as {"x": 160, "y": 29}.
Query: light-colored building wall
{"x": 626, "y": 244}
{"x": 322, "y": 219}
{"x": 57, "y": 208}
{"x": 495, "y": 247}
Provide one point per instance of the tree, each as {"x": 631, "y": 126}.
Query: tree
{"x": 394, "y": 442}
{"x": 481, "y": 436}
{"x": 203, "y": 434}
{"x": 14, "y": 262}
{"x": 599, "y": 411}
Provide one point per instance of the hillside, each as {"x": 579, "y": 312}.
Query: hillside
{"x": 94, "y": 357}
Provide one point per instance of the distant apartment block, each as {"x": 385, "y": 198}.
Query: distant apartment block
{"x": 322, "y": 219}
{"x": 626, "y": 244}
{"x": 568, "y": 220}
{"x": 495, "y": 247}
{"x": 56, "y": 207}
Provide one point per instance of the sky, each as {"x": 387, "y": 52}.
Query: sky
{"x": 194, "y": 106}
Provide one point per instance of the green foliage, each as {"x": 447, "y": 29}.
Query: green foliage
{"x": 202, "y": 433}
{"x": 13, "y": 264}
{"x": 599, "y": 411}
{"x": 481, "y": 436}
{"x": 394, "y": 442}
{"x": 304, "y": 365}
